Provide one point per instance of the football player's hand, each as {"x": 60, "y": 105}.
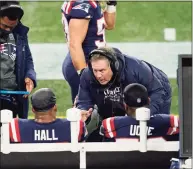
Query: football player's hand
{"x": 85, "y": 114}
{"x": 113, "y": 2}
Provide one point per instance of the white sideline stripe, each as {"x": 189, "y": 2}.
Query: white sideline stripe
{"x": 91, "y": 147}
{"x": 160, "y": 51}
{"x": 13, "y": 130}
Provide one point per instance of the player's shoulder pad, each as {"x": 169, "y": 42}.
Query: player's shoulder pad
{"x": 80, "y": 9}
{"x": 91, "y": 3}
{"x": 23, "y": 121}
{"x": 63, "y": 120}
{"x": 82, "y": 131}
{"x": 122, "y": 121}
{"x": 109, "y": 123}
{"x": 173, "y": 120}
{"x": 108, "y": 127}
{"x": 14, "y": 129}
{"x": 161, "y": 116}
{"x": 159, "y": 119}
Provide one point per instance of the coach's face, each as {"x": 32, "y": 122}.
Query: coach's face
{"x": 102, "y": 71}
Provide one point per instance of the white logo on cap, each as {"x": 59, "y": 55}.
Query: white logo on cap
{"x": 139, "y": 100}
{"x": 17, "y": 6}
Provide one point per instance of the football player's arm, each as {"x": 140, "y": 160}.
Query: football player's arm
{"x": 14, "y": 131}
{"x": 107, "y": 128}
{"x": 173, "y": 125}
{"x": 30, "y": 73}
{"x": 82, "y": 132}
{"x": 77, "y": 33}
{"x": 155, "y": 89}
{"x": 11, "y": 134}
{"x": 168, "y": 122}
{"x": 110, "y": 15}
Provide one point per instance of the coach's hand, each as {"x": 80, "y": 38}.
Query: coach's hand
{"x": 85, "y": 114}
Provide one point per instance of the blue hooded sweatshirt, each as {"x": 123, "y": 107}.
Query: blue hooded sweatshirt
{"x": 108, "y": 98}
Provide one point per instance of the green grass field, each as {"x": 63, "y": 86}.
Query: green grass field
{"x": 136, "y": 22}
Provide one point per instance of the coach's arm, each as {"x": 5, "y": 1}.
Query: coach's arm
{"x": 84, "y": 99}
{"x": 146, "y": 77}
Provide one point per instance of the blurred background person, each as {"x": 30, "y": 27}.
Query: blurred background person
{"x": 16, "y": 64}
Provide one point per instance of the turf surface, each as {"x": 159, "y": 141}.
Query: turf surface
{"x": 136, "y": 21}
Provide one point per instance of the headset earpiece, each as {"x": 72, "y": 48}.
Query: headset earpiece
{"x": 116, "y": 65}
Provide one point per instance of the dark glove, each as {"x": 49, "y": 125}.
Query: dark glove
{"x": 112, "y": 3}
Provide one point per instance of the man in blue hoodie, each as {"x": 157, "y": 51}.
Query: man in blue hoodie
{"x": 16, "y": 64}
{"x": 109, "y": 71}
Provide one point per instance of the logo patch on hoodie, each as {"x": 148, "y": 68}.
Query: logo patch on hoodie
{"x": 113, "y": 94}
{"x": 8, "y": 49}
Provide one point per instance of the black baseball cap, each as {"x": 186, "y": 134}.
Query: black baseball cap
{"x": 135, "y": 95}
{"x": 11, "y": 9}
{"x": 43, "y": 100}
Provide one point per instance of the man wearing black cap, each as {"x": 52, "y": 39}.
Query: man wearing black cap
{"x": 16, "y": 63}
{"x": 45, "y": 127}
{"x": 136, "y": 96}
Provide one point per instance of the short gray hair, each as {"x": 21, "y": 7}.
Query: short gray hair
{"x": 96, "y": 57}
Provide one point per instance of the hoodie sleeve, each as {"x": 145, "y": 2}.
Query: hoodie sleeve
{"x": 145, "y": 76}
{"x": 84, "y": 100}
{"x": 107, "y": 128}
{"x": 30, "y": 71}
